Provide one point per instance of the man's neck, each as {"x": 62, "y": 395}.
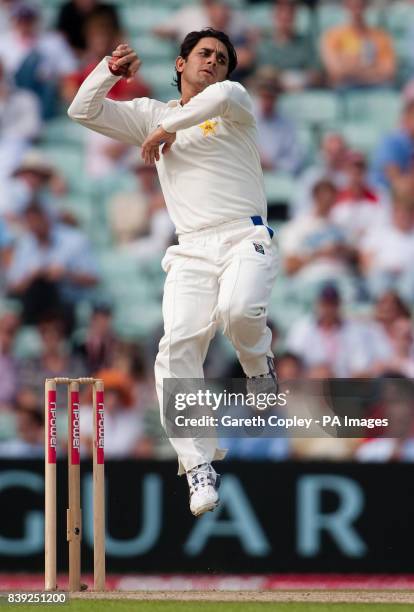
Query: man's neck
{"x": 283, "y": 36}
{"x": 359, "y": 25}
{"x": 188, "y": 93}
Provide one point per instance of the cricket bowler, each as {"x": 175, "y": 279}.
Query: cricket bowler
{"x": 221, "y": 273}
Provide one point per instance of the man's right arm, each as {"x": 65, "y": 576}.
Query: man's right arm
{"x": 128, "y": 122}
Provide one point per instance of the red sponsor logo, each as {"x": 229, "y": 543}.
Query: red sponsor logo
{"x": 51, "y": 427}
{"x": 75, "y": 428}
{"x": 100, "y": 427}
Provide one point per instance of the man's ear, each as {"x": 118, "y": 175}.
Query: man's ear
{"x": 180, "y": 63}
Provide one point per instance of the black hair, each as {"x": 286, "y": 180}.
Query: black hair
{"x": 192, "y": 39}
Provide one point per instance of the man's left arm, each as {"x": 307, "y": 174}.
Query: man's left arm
{"x": 225, "y": 99}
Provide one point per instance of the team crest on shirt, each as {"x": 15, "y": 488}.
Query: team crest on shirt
{"x": 258, "y": 247}
{"x": 208, "y": 127}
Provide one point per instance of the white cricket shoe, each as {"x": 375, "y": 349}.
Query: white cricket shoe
{"x": 203, "y": 482}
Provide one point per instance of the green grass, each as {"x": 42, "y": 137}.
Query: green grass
{"x": 204, "y": 606}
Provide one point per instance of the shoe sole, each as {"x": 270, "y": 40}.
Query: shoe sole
{"x": 207, "y": 508}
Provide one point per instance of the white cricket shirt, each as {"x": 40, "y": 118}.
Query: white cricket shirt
{"x": 212, "y": 174}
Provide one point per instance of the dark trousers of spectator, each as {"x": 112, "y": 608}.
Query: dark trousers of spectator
{"x": 41, "y": 301}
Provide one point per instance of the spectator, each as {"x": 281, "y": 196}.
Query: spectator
{"x": 387, "y": 250}
{"x": 393, "y": 159}
{"x": 313, "y": 248}
{"x": 396, "y": 406}
{"x": 402, "y": 339}
{"x": 100, "y": 343}
{"x": 19, "y": 123}
{"x": 332, "y": 164}
{"x": 291, "y": 53}
{"x": 54, "y": 360}
{"x": 130, "y": 212}
{"x": 278, "y": 143}
{"x": 35, "y": 178}
{"x": 327, "y": 338}
{"x": 358, "y": 205}
{"x": 9, "y": 325}
{"x": 388, "y": 308}
{"x": 104, "y": 156}
{"x": 204, "y": 15}
{"x": 36, "y": 60}
{"x": 219, "y": 15}
{"x": 73, "y": 16}
{"x": 123, "y": 422}
{"x": 289, "y": 367}
{"x": 356, "y": 55}
{"x": 160, "y": 235}
{"x": 103, "y": 35}
{"x": 29, "y": 443}
{"x": 52, "y": 267}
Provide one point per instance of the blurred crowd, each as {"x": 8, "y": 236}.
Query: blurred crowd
{"x": 343, "y": 301}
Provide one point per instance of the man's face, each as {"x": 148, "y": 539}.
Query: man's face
{"x": 356, "y": 8}
{"x": 333, "y": 149}
{"x": 206, "y": 64}
{"x": 267, "y": 100}
{"x": 284, "y": 16}
{"x": 328, "y": 310}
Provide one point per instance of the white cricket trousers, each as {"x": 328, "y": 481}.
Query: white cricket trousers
{"x": 216, "y": 277}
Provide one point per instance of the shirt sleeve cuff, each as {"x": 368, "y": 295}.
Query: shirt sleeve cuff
{"x": 105, "y": 62}
{"x": 168, "y": 125}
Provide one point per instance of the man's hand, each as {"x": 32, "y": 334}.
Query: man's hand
{"x": 124, "y": 62}
{"x": 150, "y": 151}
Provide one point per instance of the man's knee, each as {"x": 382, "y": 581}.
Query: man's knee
{"x": 239, "y": 313}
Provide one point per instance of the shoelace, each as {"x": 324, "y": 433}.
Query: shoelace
{"x": 201, "y": 476}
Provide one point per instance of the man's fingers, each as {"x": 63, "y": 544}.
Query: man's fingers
{"x": 126, "y": 59}
{"x": 121, "y": 50}
{"x": 167, "y": 146}
{"x": 133, "y": 67}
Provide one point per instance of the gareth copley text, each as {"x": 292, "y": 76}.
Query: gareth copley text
{"x": 273, "y": 420}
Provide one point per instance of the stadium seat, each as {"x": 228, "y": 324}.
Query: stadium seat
{"x": 153, "y": 49}
{"x": 314, "y": 108}
{"x": 328, "y": 16}
{"x": 28, "y": 343}
{"x": 63, "y": 131}
{"x": 138, "y": 319}
{"x": 362, "y": 136}
{"x": 259, "y": 15}
{"x": 137, "y": 18}
{"x": 160, "y": 77}
{"x": 279, "y": 187}
{"x": 308, "y": 143}
{"x": 8, "y": 429}
{"x": 375, "y": 107}
{"x": 399, "y": 18}
{"x": 69, "y": 161}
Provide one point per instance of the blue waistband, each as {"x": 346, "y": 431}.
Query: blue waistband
{"x": 257, "y": 220}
